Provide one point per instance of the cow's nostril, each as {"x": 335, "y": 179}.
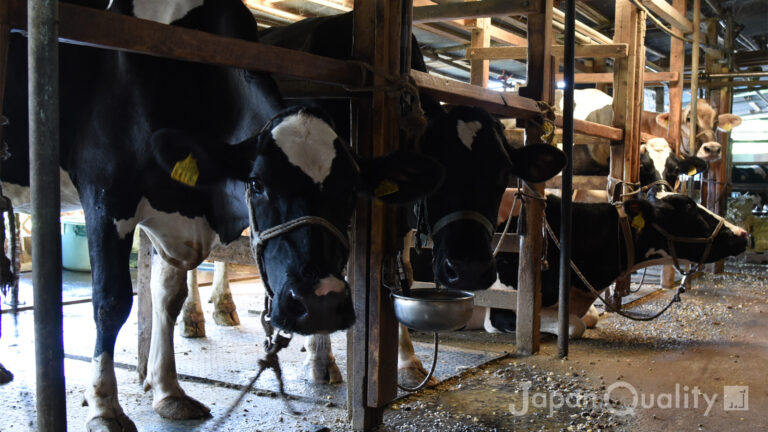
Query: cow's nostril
{"x": 450, "y": 271}
{"x": 294, "y": 306}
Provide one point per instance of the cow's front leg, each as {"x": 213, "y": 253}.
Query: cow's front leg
{"x": 550, "y": 324}
{"x": 410, "y": 371}
{"x": 224, "y": 310}
{"x": 192, "y": 323}
{"x": 168, "y": 294}
{"x": 112, "y": 298}
{"x": 320, "y": 365}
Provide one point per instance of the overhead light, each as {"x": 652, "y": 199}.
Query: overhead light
{"x": 561, "y": 84}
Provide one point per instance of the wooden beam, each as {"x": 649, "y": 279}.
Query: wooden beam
{"x": 592, "y": 129}
{"x": 607, "y": 77}
{"x": 344, "y": 6}
{"x": 473, "y": 9}
{"x": 504, "y": 36}
{"x": 267, "y": 8}
{"x": 454, "y": 92}
{"x": 481, "y": 38}
{"x": 496, "y": 298}
{"x": 670, "y": 14}
{"x": 516, "y": 53}
{"x": 582, "y": 28}
{"x": 102, "y": 29}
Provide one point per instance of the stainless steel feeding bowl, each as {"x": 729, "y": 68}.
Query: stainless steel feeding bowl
{"x": 433, "y": 310}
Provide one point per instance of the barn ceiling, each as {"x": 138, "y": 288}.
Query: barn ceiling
{"x": 444, "y": 44}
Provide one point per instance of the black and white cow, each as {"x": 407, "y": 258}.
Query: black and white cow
{"x": 599, "y": 252}
{"x": 172, "y": 147}
{"x": 470, "y": 144}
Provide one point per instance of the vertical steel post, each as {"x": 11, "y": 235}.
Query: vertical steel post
{"x": 44, "y": 184}
{"x": 567, "y": 187}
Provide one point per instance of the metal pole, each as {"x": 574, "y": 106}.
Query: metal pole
{"x": 733, "y": 75}
{"x": 567, "y": 192}
{"x": 44, "y": 185}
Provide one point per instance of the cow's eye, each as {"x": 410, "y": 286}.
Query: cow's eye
{"x": 255, "y": 185}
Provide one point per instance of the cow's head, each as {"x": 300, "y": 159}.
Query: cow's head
{"x": 659, "y": 162}
{"x": 677, "y": 217}
{"x": 461, "y": 214}
{"x": 705, "y": 143}
{"x": 296, "y": 168}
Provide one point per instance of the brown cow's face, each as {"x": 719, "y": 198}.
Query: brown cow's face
{"x": 704, "y": 144}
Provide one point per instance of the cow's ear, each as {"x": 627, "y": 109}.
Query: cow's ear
{"x": 640, "y": 213}
{"x": 400, "y": 177}
{"x": 726, "y": 122}
{"x": 537, "y": 163}
{"x": 691, "y": 166}
{"x": 663, "y": 119}
{"x": 194, "y": 161}
{"x": 643, "y": 149}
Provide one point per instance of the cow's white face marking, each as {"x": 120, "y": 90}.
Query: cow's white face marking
{"x": 307, "y": 141}
{"x": 659, "y": 151}
{"x": 166, "y": 11}
{"x": 183, "y": 241}
{"x": 467, "y": 131}
{"x": 21, "y": 200}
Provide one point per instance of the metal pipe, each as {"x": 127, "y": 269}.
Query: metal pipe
{"x": 569, "y": 63}
{"x": 44, "y": 184}
{"x": 704, "y": 75}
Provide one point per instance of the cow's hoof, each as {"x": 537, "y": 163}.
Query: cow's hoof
{"x": 192, "y": 329}
{"x": 5, "y": 375}
{"x": 181, "y": 408}
{"x": 413, "y": 375}
{"x": 591, "y": 317}
{"x": 119, "y": 424}
{"x": 324, "y": 374}
{"x": 226, "y": 318}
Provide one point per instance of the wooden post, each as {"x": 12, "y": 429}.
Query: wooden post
{"x": 627, "y": 105}
{"x": 144, "y": 300}
{"x": 481, "y": 38}
{"x": 676, "y": 64}
{"x": 372, "y": 341}
{"x": 539, "y": 87}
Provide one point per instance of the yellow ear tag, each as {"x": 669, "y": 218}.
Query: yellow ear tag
{"x": 638, "y": 222}
{"x": 727, "y": 127}
{"x": 186, "y": 171}
{"x": 692, "y": 172}
{"x": 384, "y": 188}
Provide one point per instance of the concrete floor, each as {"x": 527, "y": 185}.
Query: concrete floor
{"x": 718, "y": 336}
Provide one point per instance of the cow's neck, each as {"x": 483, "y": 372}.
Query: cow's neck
{"x": 597, "y": 248}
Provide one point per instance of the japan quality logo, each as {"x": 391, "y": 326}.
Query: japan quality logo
{"x": 736, "y": 398}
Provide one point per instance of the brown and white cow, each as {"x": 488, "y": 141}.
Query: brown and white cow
{"x": 705, "y": 144}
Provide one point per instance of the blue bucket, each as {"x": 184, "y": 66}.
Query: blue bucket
{"x": 74, "y": 246}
